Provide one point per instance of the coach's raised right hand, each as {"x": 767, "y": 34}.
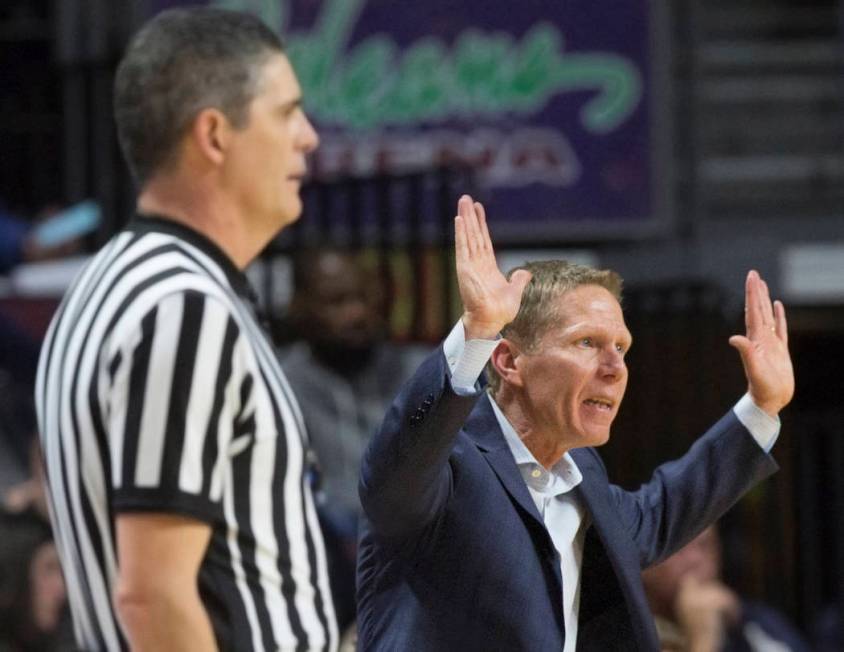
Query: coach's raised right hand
{"x": 490, "y": 301}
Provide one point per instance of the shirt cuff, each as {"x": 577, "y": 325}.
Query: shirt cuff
{"x": 762, "y": 426}
{"x": 466, "y": 359}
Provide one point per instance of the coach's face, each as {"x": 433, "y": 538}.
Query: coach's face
{"x": 268, "y": 159}
{"x": 573, "y": 382}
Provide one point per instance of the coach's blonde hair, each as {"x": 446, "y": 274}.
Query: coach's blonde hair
{"x": 539, "y": 311}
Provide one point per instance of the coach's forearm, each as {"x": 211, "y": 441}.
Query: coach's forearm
{"x": 164, "y": 621}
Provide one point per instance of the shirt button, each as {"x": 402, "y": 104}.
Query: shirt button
{"x": 536, "y": 473}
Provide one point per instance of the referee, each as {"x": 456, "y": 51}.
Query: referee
{"x": 175, "y": 451}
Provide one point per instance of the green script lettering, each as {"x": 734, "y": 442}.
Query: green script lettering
{"x": 374, "y": 83}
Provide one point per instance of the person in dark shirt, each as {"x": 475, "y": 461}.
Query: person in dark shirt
{"x": 696, "y": 612}
{"x": 344, "y": 372}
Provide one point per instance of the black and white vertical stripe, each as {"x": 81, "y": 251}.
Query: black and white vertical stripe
{"x": 158, "y": 391}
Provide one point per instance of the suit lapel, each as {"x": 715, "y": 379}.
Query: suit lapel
{"x": 610, "y": 584}
{"x": 606, "y": 576}
{"x": 482, "y": 427}
{"x": 593, "y": 491}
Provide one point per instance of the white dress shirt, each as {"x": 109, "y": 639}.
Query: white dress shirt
{"x": 564, "y": 516}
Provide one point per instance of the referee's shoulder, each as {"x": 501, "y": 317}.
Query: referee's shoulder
{"x": 187, "y": 284}
{"x": 176, "y": 292}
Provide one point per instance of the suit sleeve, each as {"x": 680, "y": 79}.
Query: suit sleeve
{"x": 686, "y": 495}
{"x": 406, "y": 478}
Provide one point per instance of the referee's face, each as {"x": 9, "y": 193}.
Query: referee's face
{"x": 267, "y": 162}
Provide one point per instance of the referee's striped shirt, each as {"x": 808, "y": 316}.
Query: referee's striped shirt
{"x": 158, "y": 391}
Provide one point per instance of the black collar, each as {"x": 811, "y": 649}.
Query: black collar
{"x": 146, "y": 223}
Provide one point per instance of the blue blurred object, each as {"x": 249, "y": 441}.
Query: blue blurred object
{"x": 12, "y": 233}
{"x": 67, "y": 225}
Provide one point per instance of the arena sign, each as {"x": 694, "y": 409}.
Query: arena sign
{"x": 553, "y": 103}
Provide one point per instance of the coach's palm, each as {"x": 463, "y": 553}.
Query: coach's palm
{"x": 490, "y": 301}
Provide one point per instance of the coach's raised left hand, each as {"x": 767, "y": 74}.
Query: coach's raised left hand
{"x": 764, "y": 348}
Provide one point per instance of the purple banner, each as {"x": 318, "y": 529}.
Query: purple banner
{"x": 551, "y": 102}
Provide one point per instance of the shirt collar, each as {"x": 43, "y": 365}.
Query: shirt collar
{"x": 561, "y": 478}
{"x": 149, "y": 223}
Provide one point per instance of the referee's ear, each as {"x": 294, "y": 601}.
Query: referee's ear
{"x": 210, "y": 136}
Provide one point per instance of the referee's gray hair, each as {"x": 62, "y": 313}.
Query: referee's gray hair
{"x": 179, "y": 63}
{"x": 550, "y": 280}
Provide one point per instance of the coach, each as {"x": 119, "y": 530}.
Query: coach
{"x": 492, "y": 524}
{"x": 175, "y": 451}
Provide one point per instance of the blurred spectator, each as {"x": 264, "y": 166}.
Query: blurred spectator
{"x": 34, "y": 614}
{"x": 696, "y": 612}
{"x": 33, "y": 601}
{"x": 344, "y": 373}
{"x": 54, "y": 234}
{"x": 29, "y": 496}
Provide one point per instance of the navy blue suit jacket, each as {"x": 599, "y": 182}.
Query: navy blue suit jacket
{"x": 454, "y": 555}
